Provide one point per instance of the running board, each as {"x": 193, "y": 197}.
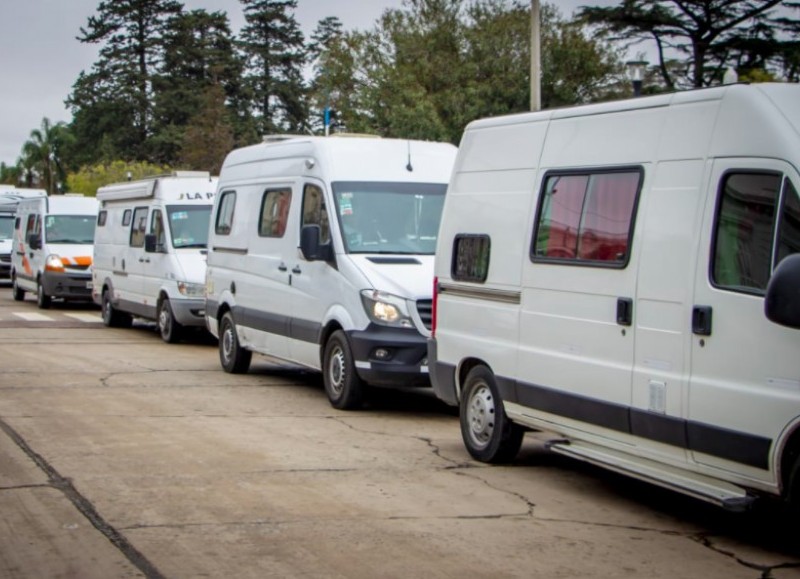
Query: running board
{"x": 720, "y": 493}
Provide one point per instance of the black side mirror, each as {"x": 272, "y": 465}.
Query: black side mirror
{"x": 311, "y": 247}
{"x": 35, "y": 241}
{"x": 782, "y": 302}
{"x": 151, "y": 243}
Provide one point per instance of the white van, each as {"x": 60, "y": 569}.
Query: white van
{"x": 321, "y": 253}
{"x": 150, "y": 251}
{"x": 52, "y": 248}
{"x": 610, "y": 273}
{"x": 9, "y": 199}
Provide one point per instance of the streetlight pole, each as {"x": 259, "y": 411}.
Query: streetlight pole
{"x": 536, "y": 58}
{"x": 636, "y": 72}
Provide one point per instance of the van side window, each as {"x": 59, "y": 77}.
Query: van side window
{"x": 224, "y": 221}
{"x": 126, "y": 218}
{"x": 587, "y": 217}
{"x": 274, "y": 212}
{"x": 471, "y": 258}
{"x": 315, "y": 212}
{"x": 101, "y": 218}
{"x": 34, "y": 225}
{"x": 157, "y": 229}
{"x": 744, "y": 231}
{"x": 139, "y": 227}
{"x": 789, "y": 226}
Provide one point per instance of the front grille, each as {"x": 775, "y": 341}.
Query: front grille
{"x": 5, "y": 258}
{"x": 425, "y": 311}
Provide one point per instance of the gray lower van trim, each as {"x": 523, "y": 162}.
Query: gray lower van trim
{"x": 442, "y": 375}
{"x": 478, "y": 293}
{"x": 748, "y": 449}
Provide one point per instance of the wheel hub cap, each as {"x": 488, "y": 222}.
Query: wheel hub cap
{"x": 480, "y": 416}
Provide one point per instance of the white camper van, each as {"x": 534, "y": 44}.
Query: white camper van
{"x": 150, "y": 251}
{"x": 321, "y": 253}
{"x": 626, "y": 275}
{"x": 9, "y": 199}
{"x": 52, "y": 248}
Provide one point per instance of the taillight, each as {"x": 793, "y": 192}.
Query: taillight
{"x": 433, "y": 307}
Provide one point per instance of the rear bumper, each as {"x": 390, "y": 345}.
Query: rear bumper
{"x": 443, "y": 376}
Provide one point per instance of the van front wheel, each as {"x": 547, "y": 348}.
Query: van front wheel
{"x": 111, "y": 317}
{"x": 17, "y": 292}
{"x": 42, "y": 299}
{"x": 234, "y": 358}
{"x": 487, "y": 432}
{"x": 344, "y": 388}
{"x": 170, "y": 329}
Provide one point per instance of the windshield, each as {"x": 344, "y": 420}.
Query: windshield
{"x": 6, "y": 226}
{"x": 389, "y": 217}
{"x": 188, "y": 225}
{"x": 70, "y": 229}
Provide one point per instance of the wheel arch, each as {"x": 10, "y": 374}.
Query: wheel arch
{"x": 788, "y": 454}
{"x": 464, "y": 368}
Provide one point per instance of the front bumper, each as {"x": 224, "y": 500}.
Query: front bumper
{"x": 390, "y": 356}
{"x": 189, "y": 311}
{"x": 69, "y": 285}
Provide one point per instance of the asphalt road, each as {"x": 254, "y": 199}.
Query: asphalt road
{"x": 122, "y": 456}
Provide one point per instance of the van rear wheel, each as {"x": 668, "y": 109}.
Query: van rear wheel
{"x": 344, "y": 388}
{"x": 170, "y": 329}
{"x": 17, "y": 292}
{"x": 42, "y": 299}
{"x": 488, "y": 433}
{"x": 111, "y": 317}
{"x": 234, "y": 358}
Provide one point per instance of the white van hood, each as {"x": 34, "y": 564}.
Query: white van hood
{"x": 193, "y": 265}
{"x": 5, "y": 246}
{"x": 407, "y": 276}
{"x": 70, "y": 250}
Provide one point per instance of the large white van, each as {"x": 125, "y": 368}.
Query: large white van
{"x": 150, "y": 251}
{"x": 52, "y": 248}
{"x": 9, "y": 199}
{"x": 626, "y": 276}
{"x": 321, "y": 253}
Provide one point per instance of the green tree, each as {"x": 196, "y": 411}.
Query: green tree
{"x": 208, "y": 136}
{"x": 705, "y": 36}
{"x": 113, "y": 103}
{"x": 274, "y": 47}
{"x": 199, "y": 53}
{"x": 41, "y": 155}
{"x": 91, "y": 177}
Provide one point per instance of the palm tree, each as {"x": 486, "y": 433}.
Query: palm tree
{"x": 41, "y": 154}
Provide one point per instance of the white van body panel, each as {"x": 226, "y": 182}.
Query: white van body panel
{"x": 137, "y": 282}
{"x": 648, "y": 361}
{"x": 55, "y": 268}
{"x": 286, "y": 306}
{"x": 9, "y": 199}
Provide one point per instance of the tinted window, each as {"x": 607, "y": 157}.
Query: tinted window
{"x": 126, "y": 218}
{"x": 789, "y": 228}
{"x": 274, "y": 212}
{"x": 471, "y": 258}
{"x": 138, "y": 227}
{"x": 315, "y": 212}
{"x": 101, "y": 218}
{"x": 224, "y": 221}
{"x": 587, "y": 217}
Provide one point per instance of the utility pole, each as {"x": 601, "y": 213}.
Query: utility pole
{"x": 536, "y": 58}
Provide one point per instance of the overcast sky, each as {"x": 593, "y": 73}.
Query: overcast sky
{"x": 41, "y": 58}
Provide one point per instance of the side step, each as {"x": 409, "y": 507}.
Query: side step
{"x": 720, "y": 493}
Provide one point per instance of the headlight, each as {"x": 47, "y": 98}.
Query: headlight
{"x": 192, "y": 290}
{"x": 54, "y": 263}
{"x": 386, "y": 309}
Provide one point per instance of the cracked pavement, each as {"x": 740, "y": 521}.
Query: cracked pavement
{"x": 121, "y": 456}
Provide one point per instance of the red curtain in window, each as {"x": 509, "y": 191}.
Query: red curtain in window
{"x": 607, "y": 216}
{"x": 565, "y": 205}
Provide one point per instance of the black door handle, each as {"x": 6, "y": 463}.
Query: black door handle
{"x": 296, "y": 269}
{"x": 701, "y": 320}
{"x": 282, "y": 267}
{"x": 624, "y": 311}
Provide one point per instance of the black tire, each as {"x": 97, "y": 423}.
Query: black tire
{"x": 171, "y": 331}
{"x": 111, "y": 317}
{"x": 42, "y": 299}
{"x": 343, "y": 386}
{"x": 17, "y": 292}
{"x": 488, "y": 433}
{"x": 234, "y": 358}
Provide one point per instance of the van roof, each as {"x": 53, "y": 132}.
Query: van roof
{"x": 147, "y": 187}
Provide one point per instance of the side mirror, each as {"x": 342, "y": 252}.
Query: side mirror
{"x": 151, "y": 243}
{"x": 311, "y": 247}
{"x": 782, "y": 302}
{"x": 35, "y": 241}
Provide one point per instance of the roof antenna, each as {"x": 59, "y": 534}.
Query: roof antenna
{"x": 409, "y": 167}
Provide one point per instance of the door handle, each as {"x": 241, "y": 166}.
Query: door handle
{"x": 701, "y": 320}
{"x": 143, "y": 260}
{"x": 296, "y": 269}
{"x": 624, "y": 311}
{"x": 282, "y": 267}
